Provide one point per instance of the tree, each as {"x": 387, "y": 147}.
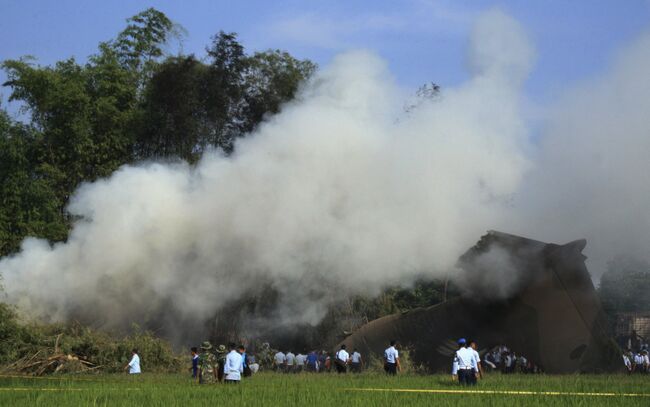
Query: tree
{"x": 271, "y": 79}
{"x": 123, "y": 105}
{"x": 29, "y": 204}
{"x": 189, "y": 106}
{"x": 139, "y": 46}
{"x": 174, "y": 121}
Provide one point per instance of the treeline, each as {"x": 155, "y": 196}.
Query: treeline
{"x": 127, "y": 103}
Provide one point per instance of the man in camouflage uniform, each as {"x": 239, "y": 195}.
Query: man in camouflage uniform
{"x": 207, "y": 365}
{"x": 265, "y": 356}
{"x": 221, "y": 361}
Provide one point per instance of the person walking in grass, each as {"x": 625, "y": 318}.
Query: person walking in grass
{"x": 341, "y": 360}
{"x": 478, "y": 370}
{"x": 312, "y": 361}
{"x": 221, "y": 360}
{"x": 207, "y": 363}
{"x": 290, "y": 362}
{"x": 300, "y": 362}
{"x": 134, "y": 364}
{"x": 356, "y": 363}
{"x": 465, "y": 363}
{"x": 279, "y": 361}
{"x": 195, "y": 362}
{"x": 234, "y": 366}
{"x": 391, "y": 359}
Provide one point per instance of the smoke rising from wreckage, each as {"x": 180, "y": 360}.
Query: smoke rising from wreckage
{"x": 333, "y": 197}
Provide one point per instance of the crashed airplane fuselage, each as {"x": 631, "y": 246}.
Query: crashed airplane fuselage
{"x": 552, "y": 316}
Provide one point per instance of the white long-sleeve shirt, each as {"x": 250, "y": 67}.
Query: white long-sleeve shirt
{"x": 234, "y": 366}
{"x": 134, "y": 364}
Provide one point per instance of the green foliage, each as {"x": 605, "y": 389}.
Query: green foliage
{"x": 423, "y": 293}
{"x": 29, "y": 203}
{"x": 125, "y": 104}
{"x": 11, "y": 334}
{"x": 108, "y": 352}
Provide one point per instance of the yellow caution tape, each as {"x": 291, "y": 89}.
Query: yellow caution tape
{"x": 505, "y": 392}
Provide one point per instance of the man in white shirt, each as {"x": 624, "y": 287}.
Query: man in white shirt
{"x": 279, "y": 360}
{"x": 234, "y": 365}
{"x": 478, "y": 372}
{"x": 639, "y": 363}
{"x": 341, "y": 360}
{"x": 466, "y": 361}
{"x": 355, "y": 361}
{"x": 300, "y": 362}
{"x": 627, "y": 362}
{"x": 391, "y": 359}
{"x": 290, "y": 362}
{"x": 134, "y": 365}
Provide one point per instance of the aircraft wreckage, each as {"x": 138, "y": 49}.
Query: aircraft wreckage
{"x": 552, "y": 316}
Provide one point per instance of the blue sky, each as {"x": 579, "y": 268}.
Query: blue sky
{"x": 422, "y": 40}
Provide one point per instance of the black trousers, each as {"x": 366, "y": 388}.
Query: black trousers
{"x": 466, "y": 377}
{"x": 390, "y": 368}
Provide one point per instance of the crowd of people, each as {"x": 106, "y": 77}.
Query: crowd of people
{"x": 318, "y": 361}
{"x": 507, "y": 361}
{"x": 636, "y": 361}
{"x": 230, "y": 364}
{"x": 212, "y": 366}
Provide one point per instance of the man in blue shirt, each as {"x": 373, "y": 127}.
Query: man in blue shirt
{"x": 195, "y": 362}
{"x": 312, "y": 361}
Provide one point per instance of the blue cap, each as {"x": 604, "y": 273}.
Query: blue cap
{"x": 462, "y": 341}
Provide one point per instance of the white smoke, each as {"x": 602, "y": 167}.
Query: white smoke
{"x": 334, "y": 196}
{"x": 592, "y": 165}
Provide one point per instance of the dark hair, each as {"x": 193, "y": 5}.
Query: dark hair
{"x": 134, "y": 350}
{"x": 231, "y": 345}
{"x": 393, "y": 342}
{"x": 355, "y": 349}
{"x": 343, "y": 346}
{"x": 242, "y": 347}
{"x": 194, "y": 349}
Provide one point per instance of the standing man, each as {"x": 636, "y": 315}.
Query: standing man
{"x": 195, "y": 362}
{"x": 300, "y": 362}
{"x": 244, "y": 360}
{"x": 391, "y": 359}
{"x": 279, "y": 361}
{"x": 290, "y": 361}
{"x": 312, "y": 361}
{"x": 341, "y": 360}
{"x": 478, "y": 373}
{"x": 220, "y": 361}
{"x": 234, "y": 367}
{"x": 207, "y": 364}
{"x": 357, "y": 362}
{"x": 466, "y": 363}
{"x": 134, "y": 365}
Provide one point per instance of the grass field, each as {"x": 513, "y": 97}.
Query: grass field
{"x": 270, "y": 389}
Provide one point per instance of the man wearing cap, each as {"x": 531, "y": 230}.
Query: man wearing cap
{"x": 465, "y": 361}
{"x": 207, "y": 365}
{"x": 221, "y": 360}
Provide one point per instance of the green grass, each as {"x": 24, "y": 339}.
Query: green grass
{"x": 269, "y": 389}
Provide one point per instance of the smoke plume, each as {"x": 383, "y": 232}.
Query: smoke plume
{"x": 342, "y": 194}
